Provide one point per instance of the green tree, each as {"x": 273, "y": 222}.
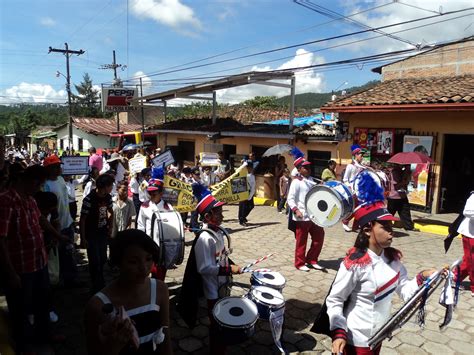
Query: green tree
{"x": 265, "y": 102}
{"x": 86, "y": 102}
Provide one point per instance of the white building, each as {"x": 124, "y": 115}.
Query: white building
{"x": 90, "y": 132}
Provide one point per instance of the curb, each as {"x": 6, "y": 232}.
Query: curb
{"x": 260, "y": 201}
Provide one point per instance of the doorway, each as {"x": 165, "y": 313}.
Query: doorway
{"x": 457, "y": 174}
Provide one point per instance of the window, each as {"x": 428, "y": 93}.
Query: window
{"x": 186, "y": 150}
{"x": 80, "y": 144}
{"x": 319, "y": 161}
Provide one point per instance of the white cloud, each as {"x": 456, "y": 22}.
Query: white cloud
{"x": 398, "y": 12}
{"x": 32, "y": 93}
{"x": 170, "y": 13}
{"x": 47, "y": 22}
{"x": 146, "y": 82}
{"x": 306, "y": 81}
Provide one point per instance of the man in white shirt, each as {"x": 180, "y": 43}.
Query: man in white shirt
{"x": 299, "y": 188}
{"x": 245, "y": 207}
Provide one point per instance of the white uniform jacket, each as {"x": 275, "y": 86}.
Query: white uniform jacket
{"x": 211, "y": 256}
{"x": 299, "y": 188}
{"x": 368, "y": 283}
{"x": 351, "y": 172}
{"x": 466, "y": 228}
{"x": 146, "y": 213}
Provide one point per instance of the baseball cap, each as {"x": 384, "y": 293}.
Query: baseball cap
{"x": 51, "y": 160}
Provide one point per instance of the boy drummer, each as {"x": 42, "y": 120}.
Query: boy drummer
{"x": 208, "y": 267}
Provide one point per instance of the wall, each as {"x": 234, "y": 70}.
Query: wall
{"x": 437, "y": 122}
{"x": 452, "y": 60}
{"x": 89, "y": 140}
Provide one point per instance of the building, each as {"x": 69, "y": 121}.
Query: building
{"x": 426, "y": 100}
{"x": 91, "y": 132}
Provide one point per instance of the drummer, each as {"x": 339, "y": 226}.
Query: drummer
{"x": 208, "y": 267}
{"x": 155, "y": 204}
{"x": 351, "y": 171}
{"x": 299, "y": 188}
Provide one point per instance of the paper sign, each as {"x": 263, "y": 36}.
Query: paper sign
{"x": 165, "y": 158}
{"x": 75, "y": 165}
{"x": 137, "y": 164}
{"x": 209, "y": 159}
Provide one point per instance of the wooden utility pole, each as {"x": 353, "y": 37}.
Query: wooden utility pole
{"x": 117, "y": 82}
{"x": 68, "y": 52}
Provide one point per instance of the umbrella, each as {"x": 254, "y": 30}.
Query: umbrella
{"x": 278, "y": 149}
{"x": 130, "y": 147}
{"x": 410, "y": 158}
{"x": 146, "y": 144}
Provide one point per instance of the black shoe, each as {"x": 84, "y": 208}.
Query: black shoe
{"x": 243, "y": 224}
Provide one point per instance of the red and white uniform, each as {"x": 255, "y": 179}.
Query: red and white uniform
{"x": 368, "y": 283}
{"x": 351, "y": 172}
{"x": 146, "y": 213}
{"x": 466, "y": 229}
{"x": 299, "y": 188}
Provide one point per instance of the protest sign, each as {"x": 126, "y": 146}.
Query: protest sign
{"x": 75, "y": 165}
{"x": 209, "y": 159}
{"x": 165, "y": 158}
{"x": 234, "y": 188}
{"x": 137, "y": 164}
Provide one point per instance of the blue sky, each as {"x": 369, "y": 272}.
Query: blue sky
{"x": 166, "y": 33}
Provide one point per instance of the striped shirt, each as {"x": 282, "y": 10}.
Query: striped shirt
{"x": 20, "y": 225}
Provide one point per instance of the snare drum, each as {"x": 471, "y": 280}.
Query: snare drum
{"x": 267, "y": 300}
{"x": 167, "y": 230}
{"x": 271, "y": 279}
{"x": 327, "y": 204}
{"x": 236, "y": 318}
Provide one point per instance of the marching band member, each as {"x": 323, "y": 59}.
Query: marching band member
{"x": 299, "y": 188}
{"x": 148, "y": 209}
{"x": 208, "y": 267}
{"x": 351, "y": 171}
{"x": 360, "y": 299}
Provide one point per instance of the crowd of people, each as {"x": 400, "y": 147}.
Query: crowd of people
{"x": 40, "y": 226}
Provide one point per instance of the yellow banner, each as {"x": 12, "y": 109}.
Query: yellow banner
{"x": 180, "y": 194}
{"x": 234, "y": 188}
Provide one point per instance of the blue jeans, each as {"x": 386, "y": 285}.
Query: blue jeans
{"x": 97, "y": 255}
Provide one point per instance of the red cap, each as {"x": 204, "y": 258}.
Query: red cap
{"x": 51, "y": 160}
{"x": 373, "y": 212}
{"x": 208, "y": 203}
{"x": 155, "y": 185}
{"x": 300, "y": 162}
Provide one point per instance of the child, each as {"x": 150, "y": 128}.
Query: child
{"x": 284, "y": 185}
{"x": 208, "y": 267}
{"x": 71, "y": 191}
{"x": 123, "y": 210}
{"x": 96, "y": 227}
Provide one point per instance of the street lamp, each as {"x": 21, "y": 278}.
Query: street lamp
{"x": 68, "y": 89}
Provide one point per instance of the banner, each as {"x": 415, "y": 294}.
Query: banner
{"x": 137, "y": 164}
{"x": 179, "y": 194}
{"x": 234, "y": 188}
{"x": 75, "y": 165}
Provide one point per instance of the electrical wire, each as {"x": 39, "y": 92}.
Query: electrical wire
{"x": 416, "y": 7}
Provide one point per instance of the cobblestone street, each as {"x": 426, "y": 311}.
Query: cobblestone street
{"x": 304, "y": 293}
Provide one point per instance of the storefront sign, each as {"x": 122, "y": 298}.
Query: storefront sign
{"x": 75, "y": 165}
{"x": 422, "y": 144}
{"x": 166, "y": 158}
{"x": 118, "y": 99}
{"x": 418, "y": 186}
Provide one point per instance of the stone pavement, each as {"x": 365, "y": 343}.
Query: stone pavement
{"x": 304, "y": 293}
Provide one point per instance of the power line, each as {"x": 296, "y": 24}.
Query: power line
{"x": 298, "y": 45}
{"x": 417, "y": 7}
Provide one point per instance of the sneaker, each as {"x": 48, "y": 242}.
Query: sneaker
{"x": 303, "y": 268}
{"x": 53, "y": 317}
{"x": 281, "y": 212}
{"x": 346, "y": 227}
{"x": 472, "y": 294}
{"x": 316, "y": 266}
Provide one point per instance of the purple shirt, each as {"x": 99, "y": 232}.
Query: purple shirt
{"x": 96, "y": 160}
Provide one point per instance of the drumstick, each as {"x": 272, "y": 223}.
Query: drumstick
{"x": 256, "y": 262}
{"x": 256, "y": 270}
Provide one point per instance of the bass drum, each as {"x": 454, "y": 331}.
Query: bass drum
{"x": 168, "y": 233}
{"x": 327, "y": 204}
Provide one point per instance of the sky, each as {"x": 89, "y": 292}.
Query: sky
{"x": 151, "y": 37}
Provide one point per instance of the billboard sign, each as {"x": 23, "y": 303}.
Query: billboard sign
{"x": 118, "y": 99}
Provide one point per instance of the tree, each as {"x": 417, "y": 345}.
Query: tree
{"x": 87, "y": 101}
{"x": 263, "y": 102}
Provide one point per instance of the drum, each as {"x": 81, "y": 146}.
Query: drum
{"x": 357, "y": 179}
{"x": 267, "y": 300}
{"x": 270, "y": 279}
{"x": 168, "y": 232}
{"x": 236, "y": 318}
{"x": 327, "y": 204}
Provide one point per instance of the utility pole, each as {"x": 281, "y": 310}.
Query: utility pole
{"x": 117, "y": 82}
{"x": 68, "y": 52}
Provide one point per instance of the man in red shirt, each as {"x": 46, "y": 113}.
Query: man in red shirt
{"x": 23, "y": 258}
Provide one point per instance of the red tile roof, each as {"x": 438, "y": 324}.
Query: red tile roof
{"x": 436, "y": 90}
{"x": 102, "y": 126}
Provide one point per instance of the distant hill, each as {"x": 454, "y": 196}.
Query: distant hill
{"x": 315, "y": 100}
